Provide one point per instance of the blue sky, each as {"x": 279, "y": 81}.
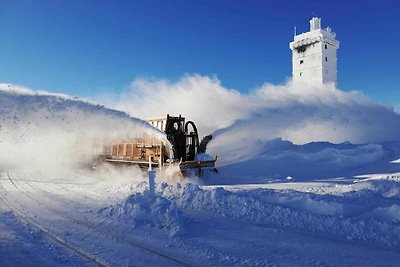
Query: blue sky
{"x": 82, "y": 47}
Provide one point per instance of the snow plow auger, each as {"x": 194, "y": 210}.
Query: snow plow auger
{"x": 186, "y": 152}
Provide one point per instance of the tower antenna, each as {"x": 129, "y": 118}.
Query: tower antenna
{"x": 295, "y": 32}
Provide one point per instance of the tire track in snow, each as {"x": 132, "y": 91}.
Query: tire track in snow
{"x": 90, "y": 226}
{"x": 24, "y": 217}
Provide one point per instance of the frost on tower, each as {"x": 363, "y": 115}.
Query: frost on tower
{"x": 314, "y": 54}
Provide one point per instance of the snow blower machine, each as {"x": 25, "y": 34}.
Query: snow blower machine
{"x": 186, "y": 151}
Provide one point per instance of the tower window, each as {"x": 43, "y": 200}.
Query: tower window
{"x": 301, "y": 74}
{"x": 326, "y": 71}
{"x": 326, "y": 58}
{"x": 326, "y": 46}
{"x": 301, "y": 62}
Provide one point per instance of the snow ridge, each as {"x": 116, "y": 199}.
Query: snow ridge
{"x": 332, "y": 216}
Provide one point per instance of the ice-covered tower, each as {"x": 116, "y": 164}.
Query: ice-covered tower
{"x": 314, "y": 54}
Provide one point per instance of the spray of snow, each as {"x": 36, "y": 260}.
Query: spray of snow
{"x": 56, "y": 133}
{"x": 200, "y": 99}
{"x": 300, "y": 113}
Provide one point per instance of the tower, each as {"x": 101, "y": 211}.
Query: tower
{"x": 314, "y": 54}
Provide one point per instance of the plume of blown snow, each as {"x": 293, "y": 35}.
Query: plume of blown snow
{"x": 242, "y": 122}
{"x": 57, "y": 133}
{"x": 201, "y": 99}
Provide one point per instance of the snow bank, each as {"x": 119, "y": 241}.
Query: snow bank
{"x": 279, "y": 159}
{"x": 50, "y": 132}
{"x": 144, "y": 210}
{"x": 322, "y": 215}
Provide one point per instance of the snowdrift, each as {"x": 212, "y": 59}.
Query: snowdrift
{"x": 280, "y": 160}
{"x": 364, "y": 211}
{"x": 141, "y": 209}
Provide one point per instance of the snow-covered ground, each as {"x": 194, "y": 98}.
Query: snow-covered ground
{"x": 118, "y": 223}
{"x": 315, "y": 204}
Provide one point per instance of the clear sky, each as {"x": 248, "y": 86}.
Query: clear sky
{"x": 81, "y": 47}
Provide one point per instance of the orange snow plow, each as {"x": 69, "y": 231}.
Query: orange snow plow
{"x": 186, "y": 151}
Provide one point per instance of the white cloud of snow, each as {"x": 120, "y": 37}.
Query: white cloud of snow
{"x": 51, "y": 132}
{"x": 22, "y": 90}
{"x": 198, "y": 98}
{"x": 300, "y": 113}
{"x": 48, "y": 125}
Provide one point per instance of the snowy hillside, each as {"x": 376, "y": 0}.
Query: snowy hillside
{"x": 275, "y": 201}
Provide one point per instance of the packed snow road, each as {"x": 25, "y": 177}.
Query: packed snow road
{"x": 84, "y": 220}
{"x": 63, "y": 225}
